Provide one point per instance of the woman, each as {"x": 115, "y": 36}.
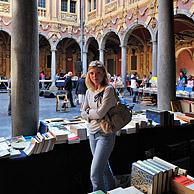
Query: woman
{"x": 100, "y": 97}
{"x": 182, "y": 80}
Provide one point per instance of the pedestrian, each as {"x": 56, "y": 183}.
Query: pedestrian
{"x": 42, "y": 77}
{"x": 134, "y": 86}
{"x": 68, "y": 85}
{"x": 9, "y": 92}
{"x": 100, "y": 97}
{"x": 80, "y": 89}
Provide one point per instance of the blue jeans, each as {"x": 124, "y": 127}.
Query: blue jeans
{"x": 101, "y": 174}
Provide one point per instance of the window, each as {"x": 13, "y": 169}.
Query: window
{"x": 94, "y": 4}
{"x": 89, "y": 6}
{"x": 41, "y": 3}
{"x": 4, "y": 0}
{"x": 72, "y": 6}
{"x": 64, "y": 5}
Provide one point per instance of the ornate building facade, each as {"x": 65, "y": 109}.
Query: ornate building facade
{"x": 121, "y": 33}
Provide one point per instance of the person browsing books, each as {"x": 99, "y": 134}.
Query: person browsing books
{"x": 100, "y": 97}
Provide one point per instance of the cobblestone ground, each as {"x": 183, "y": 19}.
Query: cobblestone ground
{"x": 47, "y": 110}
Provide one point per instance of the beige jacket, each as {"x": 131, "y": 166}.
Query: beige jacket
{"x": 99, "y": 108}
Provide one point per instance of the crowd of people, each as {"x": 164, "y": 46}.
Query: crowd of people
{"x": 184, "y": 80}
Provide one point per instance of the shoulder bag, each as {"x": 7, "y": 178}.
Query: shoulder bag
{"x": 116, "y": 118}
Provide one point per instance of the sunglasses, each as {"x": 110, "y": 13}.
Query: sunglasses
{"x": 96, "y": 64}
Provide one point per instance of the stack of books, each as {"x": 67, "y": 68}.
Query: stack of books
{"x": 153, "y": 176}
{"x": 40, "y": 143}
{"x": 80, "y": 130}
{"x": 60, "y": 134}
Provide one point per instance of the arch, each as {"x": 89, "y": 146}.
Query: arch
{"x": 66, "y": 37}
{"x": 42, "y": 34}
{"x": 133, "y": 27}
{"x": 184, "y": 12}
{"x": 183, "y": 49}
{"x": 88, "y": 41}
{"x": 6, "y": 31}
{"x": 105, "y": 36}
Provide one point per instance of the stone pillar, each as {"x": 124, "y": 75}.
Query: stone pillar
{"x": 101, "y": 58}
{"x": 154, "y": 58}
{"x": 166, "y": 55}
{"x": 84, "y": 62}
{"x": 53, "y": 66}
{"x": 123, "y": 64}
{"x": 25, "y": 68}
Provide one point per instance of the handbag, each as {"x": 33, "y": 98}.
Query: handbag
{"x": 116, "y": 118}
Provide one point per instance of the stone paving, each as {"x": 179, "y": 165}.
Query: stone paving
{"x": 47, "y": 110}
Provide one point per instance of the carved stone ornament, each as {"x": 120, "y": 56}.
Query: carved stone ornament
{"x": 185, "y": 1}
{"x": 153, "y": 22}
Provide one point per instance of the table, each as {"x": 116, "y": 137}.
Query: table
{"x": 66, "y": 168}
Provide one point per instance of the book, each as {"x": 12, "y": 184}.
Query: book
{"x": 183, "y": 185}
{"x": 115, "y": 191}
{"x": 131, "y": 190}
{"x": 29, "y": 149}
{"x": 41, "y": 142}
{"x": 18, "y": 142}
{"x": 155, "y": 170}
{"x": 4, "y": 146}
{"x": 128, "y": 190}
{"x": 73, "y": 138}
{"x": 4, "y": 153}
{"x": 14, "y": 152}
{"x": 80, "y": 130}
{"x": 61, "y": 135}
{"x": 170, "y": 165}
{"x": 97, "y": 192}
{"x": 163, "y": 172}
{"x": 169, "y": 172}
{"x": 143, "y": 179}
{"x": 49, "y": 141}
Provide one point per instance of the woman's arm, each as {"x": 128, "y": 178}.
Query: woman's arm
{"x": 108, "y": 101}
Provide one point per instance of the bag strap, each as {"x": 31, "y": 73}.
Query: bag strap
{"x": 116, "y": 96}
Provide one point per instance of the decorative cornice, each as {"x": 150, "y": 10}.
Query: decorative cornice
{"x": 5, "y": 22}
{"x": 110, "y": 7}
{"x": 92, "y": 15}
{"x": 69, "y": 17}
{"x": 185, "y": 1}
{"x": 4, "y": 7}
{"x": 44, "y": 26}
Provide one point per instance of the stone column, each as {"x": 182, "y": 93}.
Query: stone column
{"x": 101, "y": 58}
{"x": 166, "y": 55}
{"x": 154, "y": 58}
{"x": 25, "y": 68}
{"x": 84, "y": 62}
{"x": 53, "y": 65}
{"x": 123, "y": 64}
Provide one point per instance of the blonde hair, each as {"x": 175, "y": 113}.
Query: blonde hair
{"x": 89, "y": 83}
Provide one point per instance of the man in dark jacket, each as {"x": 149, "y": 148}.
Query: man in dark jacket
{"x": 69, "y": 87}
{"x": 80, "y": 89}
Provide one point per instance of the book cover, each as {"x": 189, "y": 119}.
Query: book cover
{"x": 170, "y": 165}
{"x": 164, "y": 174}
{"x": 80, "y": 130}
{"x": 183, "y": 185}
{"x": 143, "y": 179}
{"x": 29, "y": 149}
{"x": 168, "y": 170}
{"x": 154, "y": 170}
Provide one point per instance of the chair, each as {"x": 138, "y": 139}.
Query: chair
{"x": 62, "y": 103}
